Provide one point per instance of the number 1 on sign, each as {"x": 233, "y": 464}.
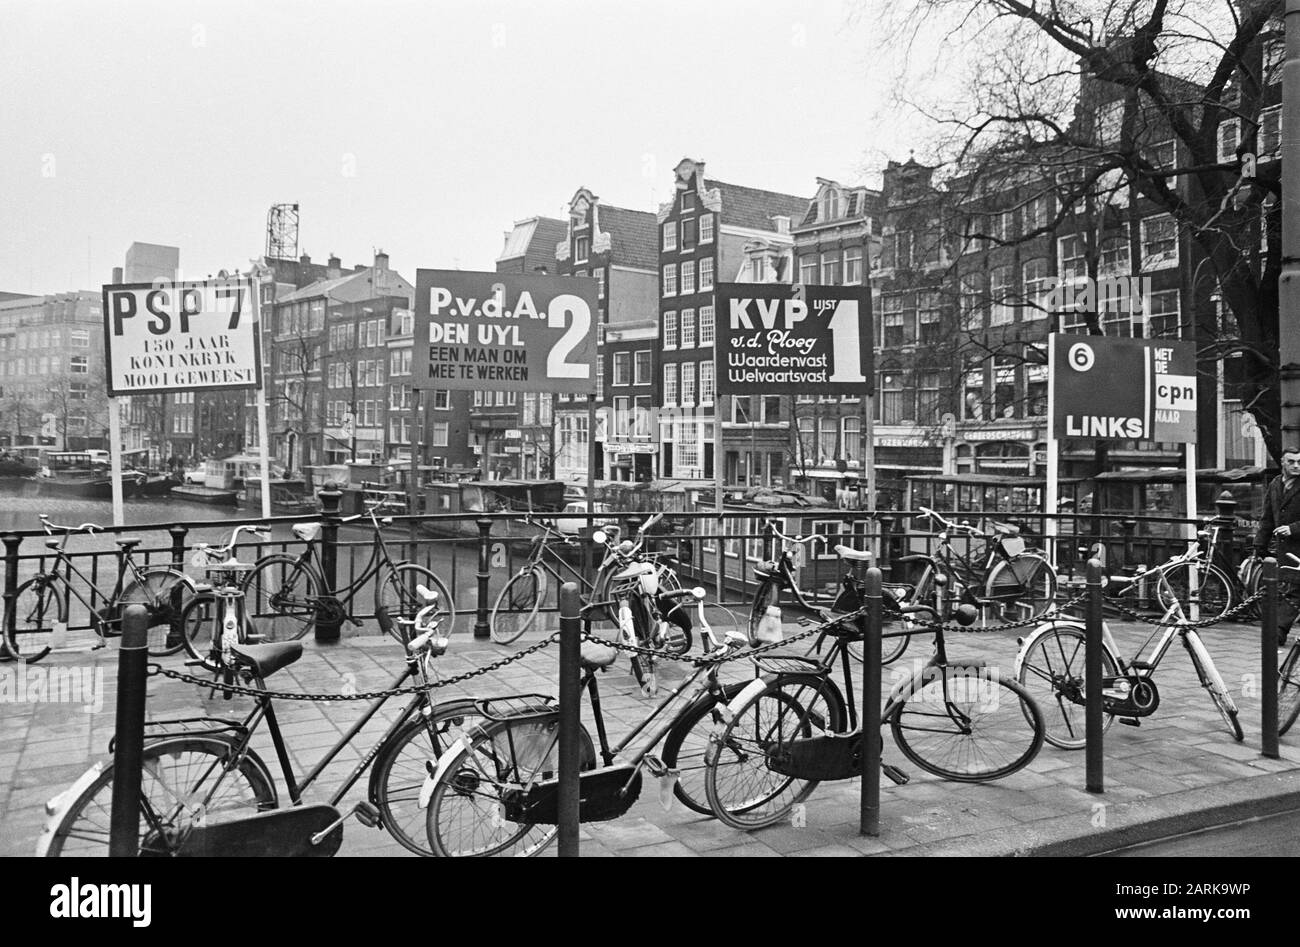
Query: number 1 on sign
{"x": 846, "y": 348}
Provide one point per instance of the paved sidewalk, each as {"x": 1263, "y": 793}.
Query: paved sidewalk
{"x": 1179, "y": 769}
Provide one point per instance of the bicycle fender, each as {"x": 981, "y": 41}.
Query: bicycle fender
{"x": 1037, "y": 633}
{"x": 466, "y": 705}
{"x": 745, "y": 695}
{"x": 58, "y": 807}
{"x": 445, "y": 761}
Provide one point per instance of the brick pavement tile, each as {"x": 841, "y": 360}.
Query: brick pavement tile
{"x": 672, "y": 849}
{"x": 702, "y": 834}
{"x": 828, "y": 851}
{"x": 630, "y": 832}
{"x": 748, "y": 850}
{"x": 787, "y": 839}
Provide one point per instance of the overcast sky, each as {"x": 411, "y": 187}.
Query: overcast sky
{"x": 422, "y": 128}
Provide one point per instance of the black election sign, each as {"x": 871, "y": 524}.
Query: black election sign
{"x": 774, "y": 338}
{"x": 504, "y": 332}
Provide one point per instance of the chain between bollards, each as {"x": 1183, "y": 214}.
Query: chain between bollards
{"x": 128, "y": 757}
{"x": 570, "y": 650}
{"x": 1092, "y": 679}
{"x": 869, "y": 818}
{"x": 1268, "y": 660}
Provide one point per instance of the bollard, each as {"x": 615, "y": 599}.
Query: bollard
{"x": 1129, "y": 529}
{"x": 481, "y": 627}
{"x": 1268, "y": 659}
{"x": 12, "y": 544}
{"x": 869, "y": 819}
{"x": 178, "y": 534}
{"x": 769, "y": 540}
{"x": 128, "y": 753}
{"x": 570, "y": 708}
{"x": 1225, "y": 518}
{"x": 1092, "y": 679}
{"x": 327, "y": 628}
{"x": 886, "y": 554}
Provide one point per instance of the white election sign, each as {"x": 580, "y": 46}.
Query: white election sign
{"x": 165, "y": 336}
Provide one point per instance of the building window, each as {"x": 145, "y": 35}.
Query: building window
{"x": 670, "y": 330}
{"x": 79, "y": 365}
{"x": 440, "y": 429}
{"x": 641, "y": 367}
{"x": 1228, "y": 139}
{"x": 670, "y": 384}
{"x": 807, "y": 440}
{"x": 928, "y": 327}
{"x": 897, "y": 250}
{"x": 581, "y": 249}
{"x": 600, "y": 283}
{"x": 830, "y": 205}
{"x": 1159, "y": 242}
{"x": 641, "y": 418}
{"x": 441, "y": 399}
{"x": 706, "y": 275}
{"x": 688, "y": 233}
{"x": 706, "y": 228}
{"x": 1108, "y": 119}
{"x": 706, "y": 325}
{"x": 898, "y": 320}
{"x": 1035, "y": 280}
{"x": 853, "y": 266}
{"x": 1037, "y": 212}
{"x": 622, "y": 366}
{"x": 670, "y": 235}
{"x": 80, "y": 338}
{"x": 688, "y": 383}
{"x": 1000, "y": 289}
{"x": 851, "y": 438}
{"x": 688, "y": 446}
{"x": 1163, "y": 155}
{"x": 832, "y": 269}
{"x": 897, "y": 396}
{"x": 1004, "y": 386}
{"x": 400, "y": 362}
{"x": 688, "y": 277}
{"x": 971, "y": 303}
{"x": 706, "y": 382}
{"x": 529, "y": 416}
{"x": 1163, "y": 315}
{"x": 622, "y": 416}
{"x": 1070, "y": 253}
{"x": 670, "y": 280}
{"x": 600, "y": 379}
{"x": 1115, "y": 254}
{"x": 756, "y": 269}
{"x": 688, "y": 328}
{"x": 808, "y": 270}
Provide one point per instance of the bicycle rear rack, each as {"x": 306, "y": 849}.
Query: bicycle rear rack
{"x": 518, "y": 707}
{"x": 789, "y": 664}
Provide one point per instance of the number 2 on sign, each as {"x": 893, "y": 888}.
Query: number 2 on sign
{"x": 561, "y": 307}
{"x": 846, "y": 347}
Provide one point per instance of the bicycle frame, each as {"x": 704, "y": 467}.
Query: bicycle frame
{"x": 126, "y": 564}
{"x": 379, "y": 559}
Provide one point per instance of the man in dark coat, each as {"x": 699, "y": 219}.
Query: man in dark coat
{"x": 1280, "y": 523}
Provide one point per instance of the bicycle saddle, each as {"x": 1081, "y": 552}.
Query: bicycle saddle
{"x": 595, "y": 655}
{"x": 1006, "y": 529}
{"x": 265, "y": 659}
{"x": 307, "y": 532}
{"x": 128, "y": 542}
{"x": 848, "y": 552}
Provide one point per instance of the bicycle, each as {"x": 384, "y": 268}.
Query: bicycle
{"x": 38, "y": 620}
{"x": 793, "y": 726}
{"x": 777, "y": 576}
{"x": 495, "y": 792}
{"x": 289, "y": 595}
{"x": 1050, "y": 665}
{"x": 220, "y": 602}
{"x": 1214, "y": 587}
{"x": 1288, "y": 676}
{"x": 1020, "y": 584}
{"x": 649, "y": 618}
{"x": 516, "y": 607}
{"x": 204, "y": 773}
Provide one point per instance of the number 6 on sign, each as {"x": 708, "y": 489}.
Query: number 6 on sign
{"x": 562, "y": 306}
{"x": 846, "y": 343}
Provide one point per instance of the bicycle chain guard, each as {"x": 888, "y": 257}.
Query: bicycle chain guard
{"x": 604, "y": 794}
{"x": 1132, "y": 696}
{"x": 275, "y": 834}
{"x": 832, "y": 756}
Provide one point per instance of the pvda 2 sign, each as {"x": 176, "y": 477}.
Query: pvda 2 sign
{"x": 774, "y": 338}
{"x": 1123, "y": 389}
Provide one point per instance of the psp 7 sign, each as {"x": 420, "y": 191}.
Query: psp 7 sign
{"x": 504, "y": 332}
{"x": 166, "y": 336}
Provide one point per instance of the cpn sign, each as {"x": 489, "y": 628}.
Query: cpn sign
{"x": 181, "y": 336}
{"x": 1123, "y": 389}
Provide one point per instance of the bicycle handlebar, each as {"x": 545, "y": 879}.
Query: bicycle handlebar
{"x": 50, "y": 526}
{"x": 812, "y": 537}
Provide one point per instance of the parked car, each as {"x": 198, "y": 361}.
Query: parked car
{"x": 575, "y": 525}
{"x": 195, "y": 474}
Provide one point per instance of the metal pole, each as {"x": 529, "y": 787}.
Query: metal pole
{"x": 128, "y": 755}
{"x": 869, "y": 817}
{"x": 869, "y": 452}
{"x": 1092, "y": 679}
{"x": 115, "y": 459}
{"x": 1289, "y": 280}
{"x": 12, "y": 543}
{"x": 1268, "y": 659}
{"x": 570, "y": 711}
{"x": 329, "y": 496}
{"x": 481, "y": 627}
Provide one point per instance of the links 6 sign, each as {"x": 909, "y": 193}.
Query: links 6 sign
{"x": 504, "y": 332}
{"x": 774, "y": 338}
{"x": 1122, "y": 389}
{"x": 166, "y": 336}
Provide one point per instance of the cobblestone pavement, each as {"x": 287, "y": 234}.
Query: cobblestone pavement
{"x": 1178, "y": 762}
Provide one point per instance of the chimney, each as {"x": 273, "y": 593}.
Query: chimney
{"x": 117, "y": 275}
{"x": 782, "y": 223}
{"x": 381, "y": 261}
{"x": 335, "y": 267}
{"x": 305, "y": 260}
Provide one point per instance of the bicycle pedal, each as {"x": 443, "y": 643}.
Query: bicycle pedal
{"x": 1130, "y": 721}
{"x": 895, "y": 774}
{"x": 367, "y": 814}
{"x": 655, "y": 766}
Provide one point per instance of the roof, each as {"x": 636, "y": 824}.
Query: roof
{"x": 755, "y": 208}
{"x": 633, "y": 234}
{"x": 861, "y": 202}
{"x": 546, "y": 231}
{"x": 350, "y": 288}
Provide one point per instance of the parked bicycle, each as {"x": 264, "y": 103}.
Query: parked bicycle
{"x": 495, "y": 792}
{"x": 39, "y": 618}
{"x": 289, "y": 595}
{"x": 1001, "y": 575}
{"x": 793, "y": 726}
{"x": 1050, "y": 665}
{"x": 1214, "y": 586}
{"x": 778, "y": 586}
{"x": 204, "y": 772}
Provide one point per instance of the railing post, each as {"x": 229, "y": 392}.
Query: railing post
{"x": 886, "y": 554}
{"x": 329, "y": 495}
{"x": 481, "y": 627}
{"x": 1225, "y": 518}
{"x": 1129, "y": 528}
{"x": 570, "y": 711}
{"x": 1092, "y": 680}
{"x": 1268, "y": 658}
{"x": 12, "y": 544}
{"x": 178, "y": 534}
{"x": 769, "y": 539}
{"x": 128, "y": 755}
{"x": 869, "y": 816}
{"x": 722, "y": 564}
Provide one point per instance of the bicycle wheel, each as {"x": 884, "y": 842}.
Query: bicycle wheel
{"x": 967, "y": 724}
{"x": 186, "y": 781}
{"x": 402, "y": 767}
{"x": 468, "y": 813}
{"x": 38, "y": 613}
{"x": 1212, "y": 681}
{"x": 397, "y": 594}
{"x": 1288, "y": 691}
{"x": 687, "y": 744}
{"x": 161, "y": 590}
{"x": 280, "y": 596}
{"x": 1025, "y": 585}
{"x": 1215, "y": 592}
{"x": 767, "y": 593}
{"x": 1052, "y": 673}
{"x": 742, "y": 790}
{"x": 515, "y": 609}
{"x": 643, "y": 665}
{"x": 895, "y": 637}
